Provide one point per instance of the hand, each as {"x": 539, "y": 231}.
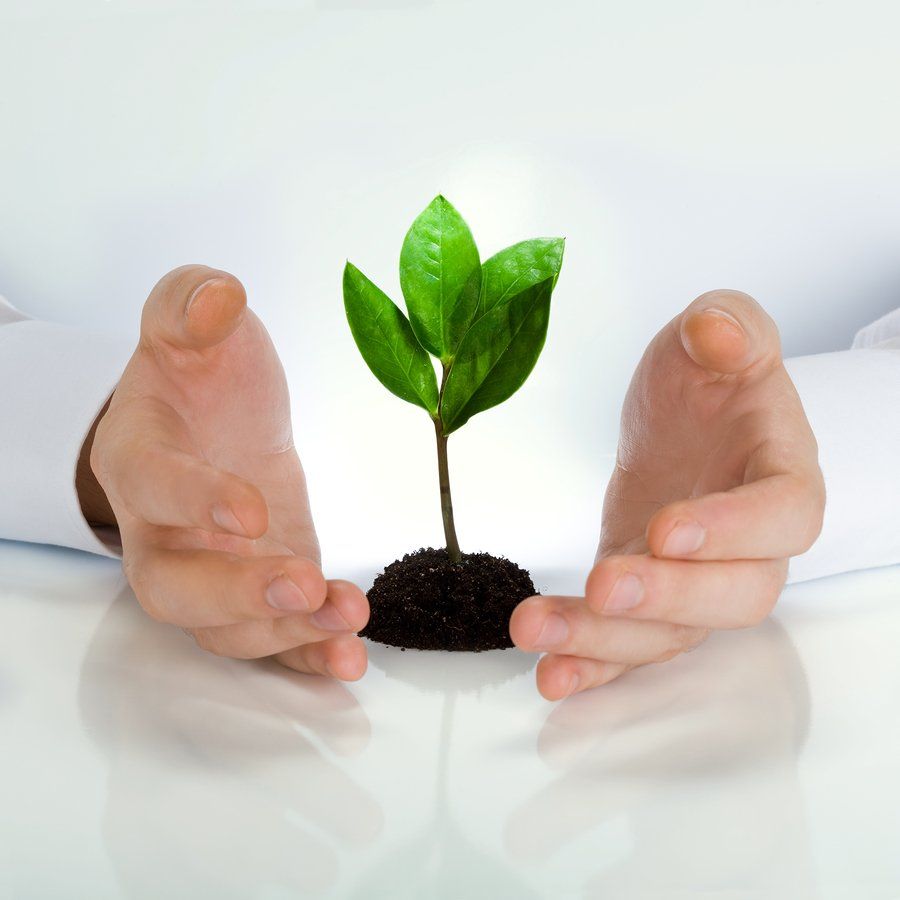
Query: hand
{"x": 196, "y": 458}
{"x": 716, "y": 484}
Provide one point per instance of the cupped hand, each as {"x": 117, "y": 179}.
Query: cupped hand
{"x": 716, "y": 485}
{"x": 196, "y": 456}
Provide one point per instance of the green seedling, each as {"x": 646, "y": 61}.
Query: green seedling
{"x": 485, "y": 323}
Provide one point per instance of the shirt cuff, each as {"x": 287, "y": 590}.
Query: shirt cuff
{"x": 883, "y": 333}
{"x": 852, "y": 401}
{"x": 56, "y": 380}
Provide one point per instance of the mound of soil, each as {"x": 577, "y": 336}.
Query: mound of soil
{"x": 426, "y": 602}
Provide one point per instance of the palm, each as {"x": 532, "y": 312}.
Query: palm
{"x": 688, "y": 432}
{"x": 230, "y": 407}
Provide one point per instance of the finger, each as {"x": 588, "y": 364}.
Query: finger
{"x": 202, "y": 588}
{"x": 560, "y": 676}
{"x": 338, "y": 657}
{"x": 728, "y": 333}
{"x": 735, "y": 594}
{"x": 568, "y": 625}
{"x": 774, "y": 517}
{"x": 346, "y": 610}
{"x": 193, "y": 307}
{"x": 165, "y": 486}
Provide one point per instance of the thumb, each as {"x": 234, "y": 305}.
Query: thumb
{"x": 193, "y": 307}
{"x": 729, "y": 333}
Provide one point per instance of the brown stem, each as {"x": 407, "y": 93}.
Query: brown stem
{"x": 446, "y": 500}
{"x": 444, "y": 479}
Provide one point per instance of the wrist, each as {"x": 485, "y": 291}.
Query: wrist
{"x": 94, "y": 502}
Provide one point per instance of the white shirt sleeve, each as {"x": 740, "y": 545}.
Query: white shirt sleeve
{"x": 54, "y": 380}
{"x": 852, "y": 400}
{"x": 883, "y": 333}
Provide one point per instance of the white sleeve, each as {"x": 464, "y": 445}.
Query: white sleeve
{"x": 882, "y": 333}
{"x": 54, "y": 380}
{"x": 852, "y": 400}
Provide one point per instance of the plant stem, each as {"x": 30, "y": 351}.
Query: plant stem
{"x": 446, "y": 500}
{"x": 453, "y": 550}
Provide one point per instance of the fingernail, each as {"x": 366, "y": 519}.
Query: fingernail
{"x": 684, "y": 538}
{"x": 626, "y": 593}
{"x": 554, "y": 632}
{"x": 282, "y": 593}
{"x": 725, "y": 315}
{"x": 224, "y": 517}
{"x": 329, "y": 619}
{"x": 197, "y": 291}
{"x": 574, "y": 681}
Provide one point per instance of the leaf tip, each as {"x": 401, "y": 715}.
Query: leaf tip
{"x": 443, "y": 202}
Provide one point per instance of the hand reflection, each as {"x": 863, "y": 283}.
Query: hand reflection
{"x": 679, "y": 780}
{"x": 223, "y": 773}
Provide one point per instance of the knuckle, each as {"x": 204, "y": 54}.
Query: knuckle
{"x": 141, "y": 583}
{"x": 699, "y": 636}
{"x": 763, "y": 601}
{"x": 688, "y": 638}
{"x": 218, "y": 483}
{"x": 295, "y": 662}
{"x": 684, "y": 639}
{"x": 755, "y": 615}
{"x": 752, "y": 614}
{"x": 151, "y": 609}
{"x": 130, "y": 568}
{"x": 310, "y": 575}
{"x": 815, "y": 505}
{"x": 149, "y": 604}
{"x": 593, "y": 586}
{"x": 683, "y": 635}
{"x": 806, "y": 495}
{"x": 112, "y": 454}
{"x": 294, "y": 628}
{"x": 208, "y": 640}
{"x": 241, "y": 595}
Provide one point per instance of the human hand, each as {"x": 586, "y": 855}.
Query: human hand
{"x": 196, "y": 457}
{"x": 716, "y": 484}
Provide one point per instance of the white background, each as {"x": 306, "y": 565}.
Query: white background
{"x": 678, "y": 147}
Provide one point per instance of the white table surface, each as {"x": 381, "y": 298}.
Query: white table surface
{"x": 766, "y": 764}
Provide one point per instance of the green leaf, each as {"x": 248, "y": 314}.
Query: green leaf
{"x": 496, "y": 355}
{"x": 437, "y": 259}
{"x": 387, "y": 343}
{"x": 511, "y": 271}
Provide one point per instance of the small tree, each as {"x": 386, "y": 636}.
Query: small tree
{"x": 484, "y": 322}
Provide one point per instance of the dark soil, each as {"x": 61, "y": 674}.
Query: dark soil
{"x": 426, "y": 602}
